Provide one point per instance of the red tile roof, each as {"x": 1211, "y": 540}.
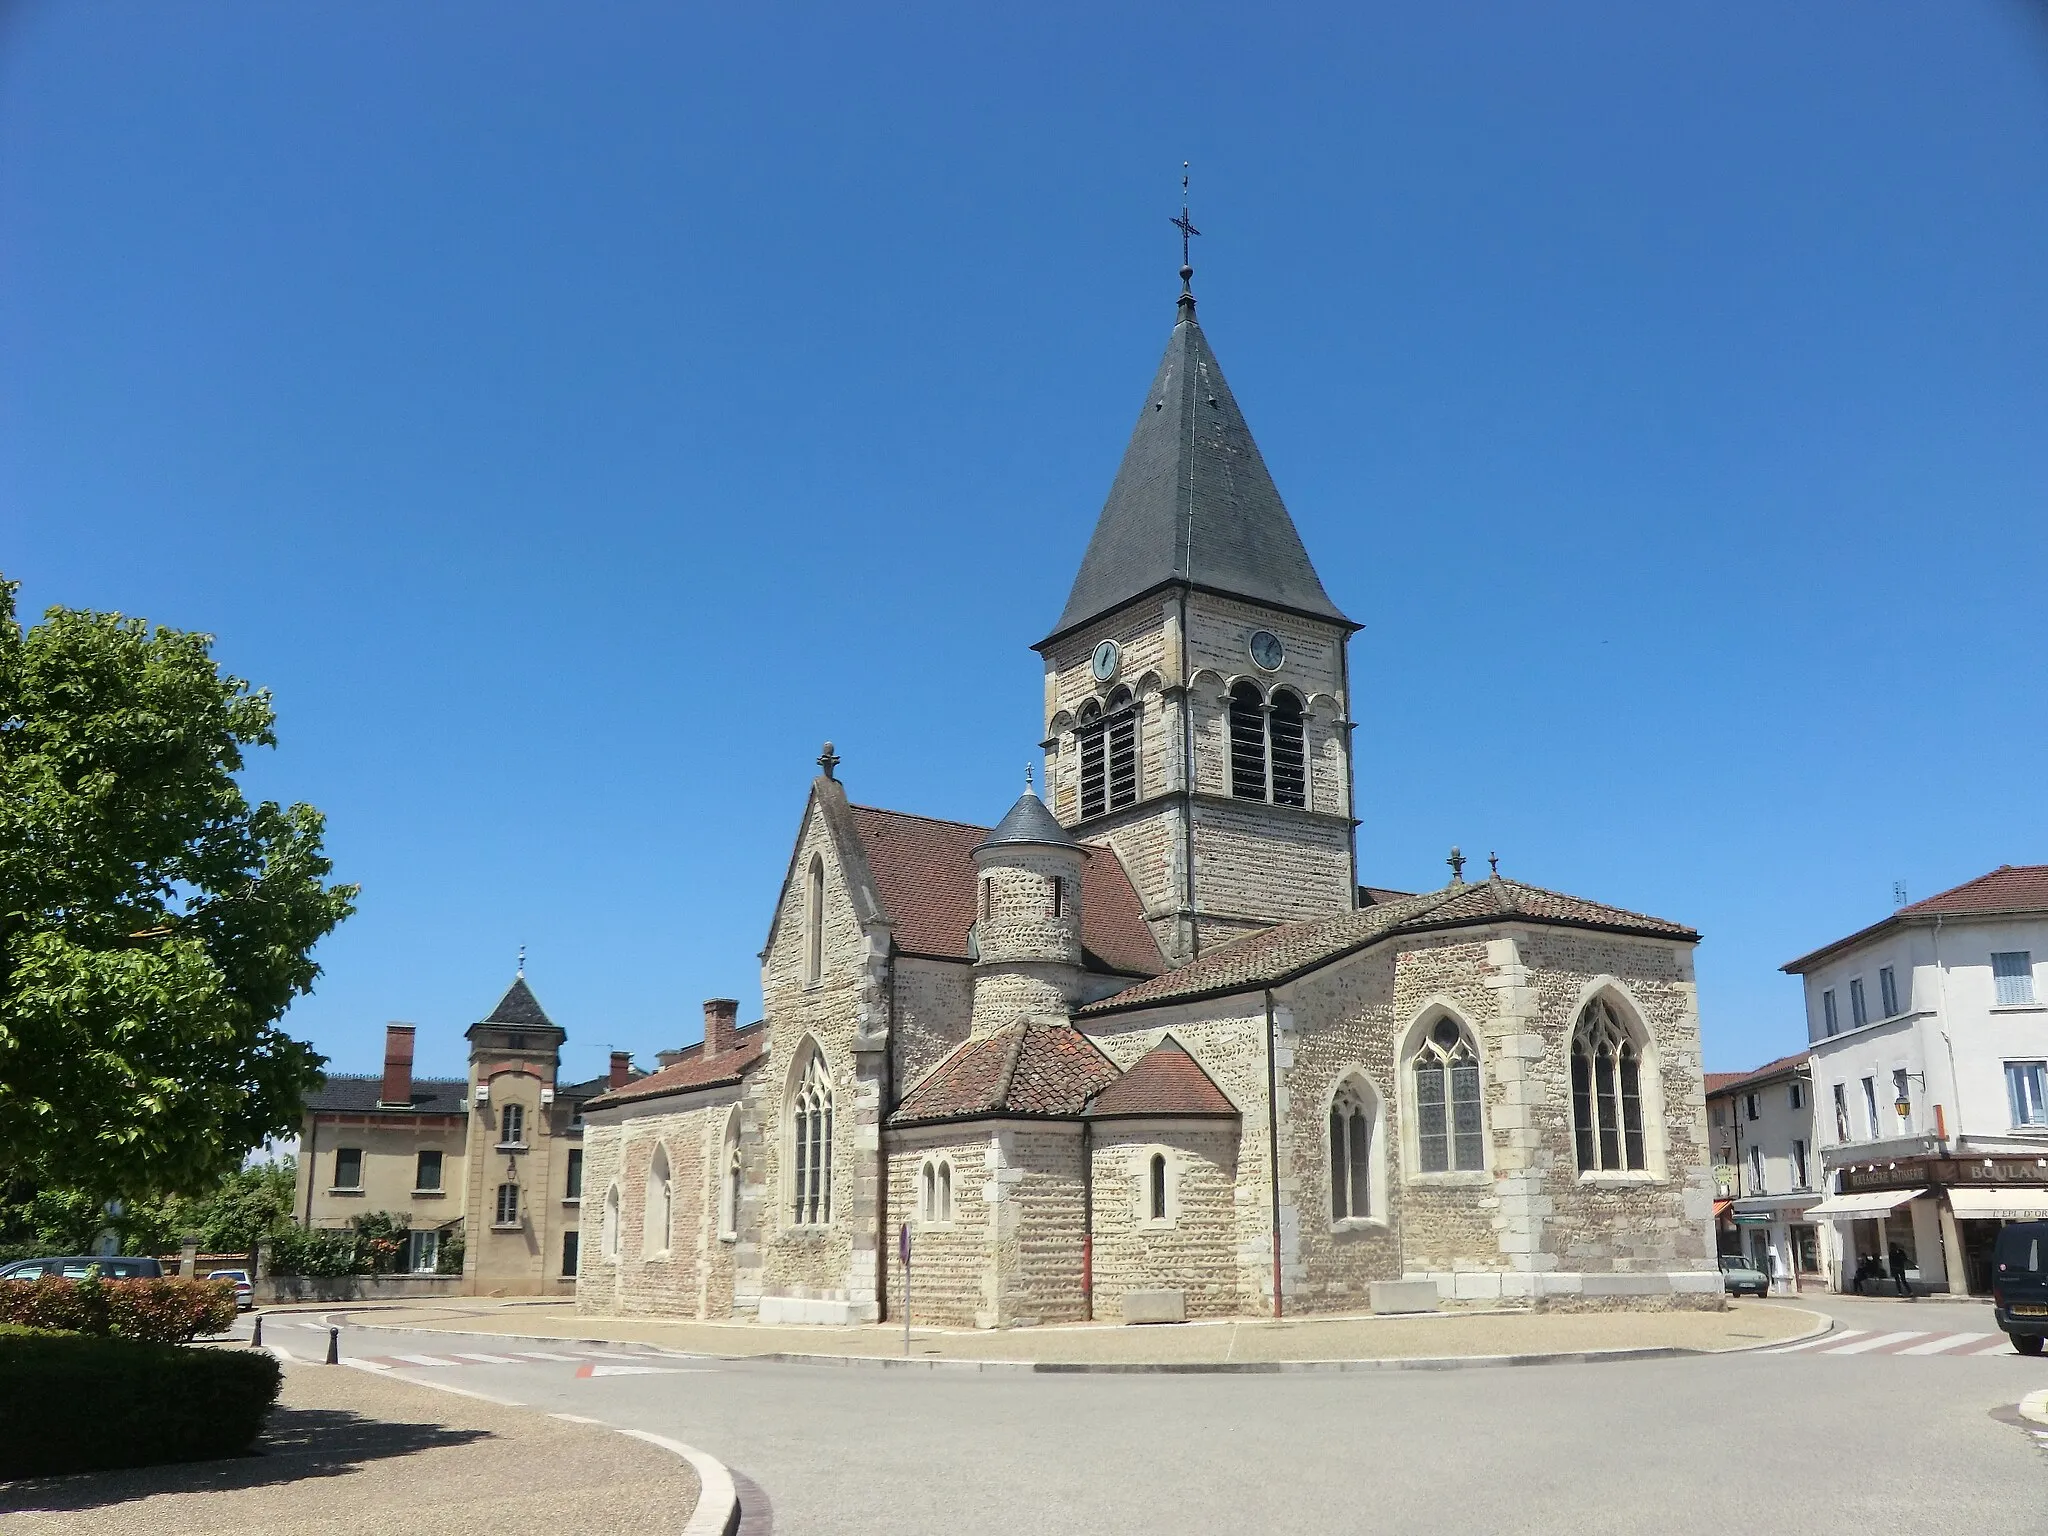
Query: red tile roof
{"x": 1022, "y": 1070}
{"x": 1280, "y": 954}
{"x": 693, "y": 1071}
{"x": 924, "y": 874}
{"x": 1166, "y": 1080}
{"x": 1728, "y": 1082}
{"x": 2010, "y": 888}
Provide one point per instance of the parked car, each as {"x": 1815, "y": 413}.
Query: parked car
{"x": 73, "y": 1267}
{"x": 2019, "y": 1284}
{"x": 245, "y": 1290}
{"x": 1739, "y": 1274}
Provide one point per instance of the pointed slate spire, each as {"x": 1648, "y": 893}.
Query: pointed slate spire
{"x": 1029, "y": 821}
{"x": 1193, "y": 502}
{"x": 520, "y": 1006}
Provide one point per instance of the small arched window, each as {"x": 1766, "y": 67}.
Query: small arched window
{"x": 729, "y": 1181}
{"x": 1351, "y": 1132}
{"x": 811, "y": 1135}
{"x": 945, "y": 1191}
{"x": 1607, "y": 1093}
{"x": 1290, "y": 755}
{"x": 1445, "y": 1070}
{"x": 610, "y": 1236}
{"x": 1247, "y": 742}
{"x": 935, "y": 1190}
{"x": 660, "y": 1210}
{"x": 1156, "y": 1187}
{"x": 814, "y": 921}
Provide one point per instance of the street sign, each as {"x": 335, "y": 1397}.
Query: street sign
{"x": 1754, "y": 1218}
{"x": 903, "y": 1243}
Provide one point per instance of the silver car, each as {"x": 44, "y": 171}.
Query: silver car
{"x": 1739, "y": 1274}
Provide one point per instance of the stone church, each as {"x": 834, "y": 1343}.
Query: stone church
{"x": 1148, "y": 1047}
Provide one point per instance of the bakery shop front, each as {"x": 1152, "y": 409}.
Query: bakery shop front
{"x": 1941, "y": 1214}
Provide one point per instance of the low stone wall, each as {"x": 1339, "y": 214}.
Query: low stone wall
{"x": 277, "y": 1289}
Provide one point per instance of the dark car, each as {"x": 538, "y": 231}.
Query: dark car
{"x": 2019, "y": 1284}
{"x": 74, "y": 1266}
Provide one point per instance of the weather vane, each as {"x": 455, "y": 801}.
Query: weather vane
{"x": 1185, "y": 227}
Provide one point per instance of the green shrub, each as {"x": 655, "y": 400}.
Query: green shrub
{"x": 158, "y": 1311}
{"x": 71, "y": 1404}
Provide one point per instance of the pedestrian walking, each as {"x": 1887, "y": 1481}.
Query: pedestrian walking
{"x": 1898, "y": 1258}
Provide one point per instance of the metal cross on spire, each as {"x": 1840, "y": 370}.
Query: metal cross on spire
{"x": 1186, "y": 229}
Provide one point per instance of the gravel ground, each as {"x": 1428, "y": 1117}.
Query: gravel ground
{"x": 347, "y": 1451}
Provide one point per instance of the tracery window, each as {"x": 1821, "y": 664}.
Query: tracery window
{"x": 660, "y": 1209}
{"x": 1607, "y": 1092}
{"x": 1446, "y": 1077}
{"x": 811, "y": 1132}
{"x": 1351, "y": 1131}
{"x": 1109, "y": 754}
{"x": 1247, "y": 742}
{"x": 1290, "y": 756}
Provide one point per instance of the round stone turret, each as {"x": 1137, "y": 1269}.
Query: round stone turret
{"x": 1027, "y": 924}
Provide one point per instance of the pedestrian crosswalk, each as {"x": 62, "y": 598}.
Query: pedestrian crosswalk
{"x": 461, "y": 1357}
{"x": 1913, "y": 1341}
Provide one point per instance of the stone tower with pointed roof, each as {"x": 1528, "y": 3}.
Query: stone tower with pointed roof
{"x": 1196, "y": 686}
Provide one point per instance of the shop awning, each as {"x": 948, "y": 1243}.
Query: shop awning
{"x": 1865, "y": 1204}
{"x": 1999, "y": 1204}
{"x": 1722, "y": 1208}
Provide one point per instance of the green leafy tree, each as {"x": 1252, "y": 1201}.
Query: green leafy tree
{"x": 154, "y": 925}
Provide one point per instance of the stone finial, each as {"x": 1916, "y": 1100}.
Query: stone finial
{"x": 1029, "y": 788}
{"x": 827, "y": 760}
{"x": 1457, "y": 863}
{"x": 1493, "y": 862}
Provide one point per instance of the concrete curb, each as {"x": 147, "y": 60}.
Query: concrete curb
{"x": 2034, "y": 1407}
{"x": 1827, "y": 1326}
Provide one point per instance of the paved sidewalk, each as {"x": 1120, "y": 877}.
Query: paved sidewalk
{"x": 1745, "y": 1325}
{"x": 348, "y": 1452}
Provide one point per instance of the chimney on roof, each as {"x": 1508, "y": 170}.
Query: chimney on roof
{"x": 720, "y": 1014}
{"x": 397, "y": 1065}
{"x": 622, "y": 1069}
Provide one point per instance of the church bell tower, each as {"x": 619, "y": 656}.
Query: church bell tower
{"x": 1197, "y": 693}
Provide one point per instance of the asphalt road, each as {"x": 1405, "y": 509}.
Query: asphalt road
{"x": 1869, "y": 1440}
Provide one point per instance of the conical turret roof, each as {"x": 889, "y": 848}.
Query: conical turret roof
{"x": 1029, "y": 822}
{"x": 520, "y": 1006}
{"x": 1193, "y": 502}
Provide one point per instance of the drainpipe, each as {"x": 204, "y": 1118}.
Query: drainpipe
{"x": 1087, "y": 1220}
{"x": 1273, "y": 1141}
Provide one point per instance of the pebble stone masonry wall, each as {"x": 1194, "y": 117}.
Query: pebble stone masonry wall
{"x": 952, "y": 1262}
{"x": 694, "y": 1277}
{"x": 1194, "y": 1250}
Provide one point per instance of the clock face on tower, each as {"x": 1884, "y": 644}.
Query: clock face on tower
{"x": 1103, "y": 662}
{"x": 1267, "y": 650}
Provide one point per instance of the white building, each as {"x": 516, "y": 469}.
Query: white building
{"x": 1929, "y": 1035}
{"x": 1766, "y": 1173}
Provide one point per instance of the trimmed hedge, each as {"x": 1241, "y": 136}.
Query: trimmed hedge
{"x": 74, "y": 1404}
{"x": 158, "y": 1311}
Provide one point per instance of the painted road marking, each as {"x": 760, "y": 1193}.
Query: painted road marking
{"x": 426, "y": 1360}
{"x": 486, "y": 1359}
{"x": 1827, "y": 1338}
{"x": 584, "y": 1372}
{"x": 1879, "y": 1342}
{"x": 367, "y": 1365}
{"x": 2002, "y": 1347}
{"x": 1947, "y": 1341}
{"x": 541, "y": 1354}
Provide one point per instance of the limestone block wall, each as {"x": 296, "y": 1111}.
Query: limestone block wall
{"x": 952, "y": 1262}
{"x": 1035, "y": 1187}
{"x": 1269, "y": 863}
{"x": 1194, "y": 1249}
{"x": 934, "y": 1001}
{"x": 597, "y": 1279}
{"x": 1219, "y": 640}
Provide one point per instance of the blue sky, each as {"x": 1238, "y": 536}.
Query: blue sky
{"x": 574, "y": 414}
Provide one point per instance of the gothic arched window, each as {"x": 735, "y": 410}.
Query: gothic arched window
{"x": 610, "y": 1236}
{"x": 1351, "y": 1154}
{"x": 811, "y": 1136}
{"x": 658, "y": 1216}
{"x": 1446, "y": 1077}
{"x": 1247, "y": 742}
{"x": 729, "y": 1182}
{"x": 1607, "y": 1092}
{"x": 1290, "y": 753}
{"x": 814, "y": 921}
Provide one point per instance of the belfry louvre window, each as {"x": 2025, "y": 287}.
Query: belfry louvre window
{"x": 1290, "y": 761}
{"x": 1447, "y": 1102}
{"x": 1109, "y": 754}
{"x": 1247, "y": 743}
{"x": 1350, "y": 1156}
{"x": 1607, "y": 1093}
{"x": 811, "y": 1125}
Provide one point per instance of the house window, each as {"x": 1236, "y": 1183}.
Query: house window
{"x": 811, "y": 1132}
{"x": 1799, "y": 1165}
{"x": 348, "y": 1168}
{"x": 1247, "y": 742}
{"x": 1859, "y": 1012}
{"x": 425, "y": 1252}
{"x": 572, "y": 1244}
{"x": 1841, "y": 1114}
{"x": 609, "y": 1237}
{"x": 1756, "y": 1170}
{"x": 814, "y": 921}
{"x": 729, "y": 1181}
{"x": 654, "y": 1234}
{"x": 2014, "y": 973}
{"x": 1351, "y": 1132}
{"x": 508, "y": 1205}
{"x": 1750, "y": 1108}
{"x": 1798, "y": 1094}
{"x": 427, "y": 1175}
{"x": 572, "y": 1183}
{"x": 1156, "y": 1187}
{"x": 1607, "y": 1093}
{"x": 1827, "y": 1009}
{"x": 1901, "y": 1096}
{"x": 1888, "y": 991}
{"x": 1870, "y": 1107}
{"x": 1290, "y": 757}
{"x": 512, "y": 1126}
{"x": 2026, "y": 1087}
{"x": 1446, "y": 1077}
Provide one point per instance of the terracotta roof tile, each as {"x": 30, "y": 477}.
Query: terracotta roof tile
{"x": 692, "y": 1071}
{"x": 1292, "y": 949}
{"x": 1728, "y": 1082}
{"x": 2015, "y": 888}
{"x": 1166, "y": 1080}
{"x": 924, "y": 874}
{"x": 1021, "y": 1070}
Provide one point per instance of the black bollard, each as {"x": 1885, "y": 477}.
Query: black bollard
{"x": 256, "y": 1338}
{"x": 334, "y": 1346}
